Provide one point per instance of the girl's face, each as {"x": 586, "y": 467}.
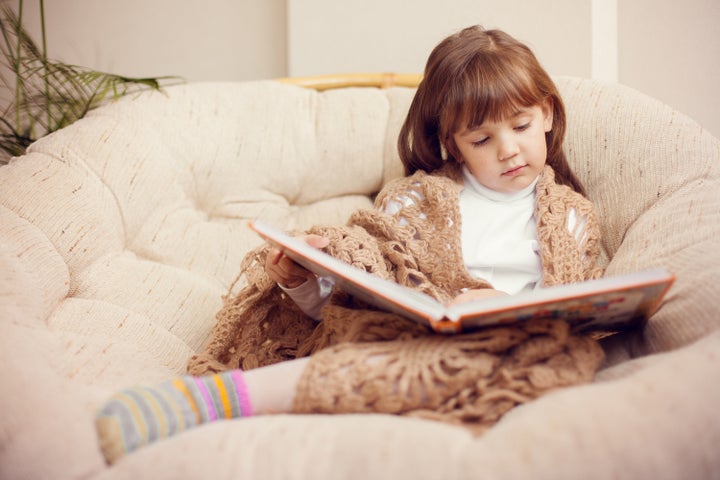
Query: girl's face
{"x": 508, "y": 155}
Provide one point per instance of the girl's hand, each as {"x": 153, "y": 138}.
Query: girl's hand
{"x": 477, "y": 294}
{"x": 284, "y": 271}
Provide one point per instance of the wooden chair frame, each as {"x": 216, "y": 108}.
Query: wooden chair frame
{"x": 377, "y": 80}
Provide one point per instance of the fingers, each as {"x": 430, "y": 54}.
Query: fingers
{"x": 286, "y": 272}
{"x": 476, "y": 294}
{"x": 274, "y": 256}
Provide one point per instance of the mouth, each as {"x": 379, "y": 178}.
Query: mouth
{"x": 514, "y": 171}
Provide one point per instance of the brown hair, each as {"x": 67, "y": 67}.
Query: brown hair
{"x": 470, "y": 76}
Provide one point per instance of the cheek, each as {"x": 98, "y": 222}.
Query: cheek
{"x": 460, "y": 153}
{"x": 479, "y": 164}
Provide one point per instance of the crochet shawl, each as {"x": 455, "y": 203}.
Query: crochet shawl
{"x": 366, "y": 360}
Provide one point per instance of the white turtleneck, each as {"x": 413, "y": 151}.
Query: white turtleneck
{"x": 499, "y": 241}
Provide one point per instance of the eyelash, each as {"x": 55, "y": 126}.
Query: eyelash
{"x": 519, "y": 128}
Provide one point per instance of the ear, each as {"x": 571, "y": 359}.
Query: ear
{"x": 443, "y": 151}
{"x": 547, "y": 110}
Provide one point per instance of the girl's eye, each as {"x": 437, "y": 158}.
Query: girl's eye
{"x": 481, "y": 142}
{"x": 523, "y": 127}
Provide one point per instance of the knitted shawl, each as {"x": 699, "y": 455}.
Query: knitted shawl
{"x": 366, "y": 360}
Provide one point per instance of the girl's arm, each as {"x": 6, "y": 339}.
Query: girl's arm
{"x": 311, "y": 296}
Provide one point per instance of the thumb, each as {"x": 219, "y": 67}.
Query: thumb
{"x": 317, "y": 241}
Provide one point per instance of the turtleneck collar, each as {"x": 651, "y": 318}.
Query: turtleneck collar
{"x": 471, "y": 183}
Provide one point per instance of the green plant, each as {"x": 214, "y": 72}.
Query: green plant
{"x": 44, "y": 95}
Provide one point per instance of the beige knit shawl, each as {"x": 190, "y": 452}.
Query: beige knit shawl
{"x": 364, "y": 360}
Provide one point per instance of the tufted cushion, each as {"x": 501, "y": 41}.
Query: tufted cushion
{"x": 654, "y": 176}
{"x": 120, "y": 234}
{"x": 146, "y": 199}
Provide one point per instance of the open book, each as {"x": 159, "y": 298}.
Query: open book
{"x": 605, "y": 305}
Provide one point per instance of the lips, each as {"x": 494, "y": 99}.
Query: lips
{"x": 514, "y": 171}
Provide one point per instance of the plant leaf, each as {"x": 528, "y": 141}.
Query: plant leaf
{"x": 50, "y": 95}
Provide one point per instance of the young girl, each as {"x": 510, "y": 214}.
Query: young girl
{"x": 489, "y": 206}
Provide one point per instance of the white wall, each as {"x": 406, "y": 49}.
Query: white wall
{"x": 670, "y": 50}
{"x": 196, "y": 39}
{"x": 665, "y": 48}
{"x": 327, "y": 36}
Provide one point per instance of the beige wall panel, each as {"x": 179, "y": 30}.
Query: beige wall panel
{"x": 671, "y": 51}
{"x": 327, "y": 36}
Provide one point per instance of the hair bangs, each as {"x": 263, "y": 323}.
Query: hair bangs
{"x": 496, "y": 91}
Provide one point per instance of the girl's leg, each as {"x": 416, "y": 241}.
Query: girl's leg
{"x": 140, "y": 415}
{"x": 481, "y": 375}
{"x": 272, "y": 388}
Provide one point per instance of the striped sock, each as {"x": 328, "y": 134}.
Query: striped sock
{"x": 141, "y": 415}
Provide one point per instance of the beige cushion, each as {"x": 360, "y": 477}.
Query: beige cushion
{"x": 654, "y": 176}
{"x": 120, "y": 234}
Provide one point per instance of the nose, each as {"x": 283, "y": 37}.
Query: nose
{"x": 508, "y": 147}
